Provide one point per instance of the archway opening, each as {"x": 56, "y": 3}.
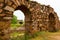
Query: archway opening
{"x": 51, "y": 23}
{"x": 27, "y": 16}
{"x": 24, "y": 14}
{"x": 18, "y": 18}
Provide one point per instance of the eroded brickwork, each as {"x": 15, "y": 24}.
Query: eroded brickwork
{"x": 38, "y": 17}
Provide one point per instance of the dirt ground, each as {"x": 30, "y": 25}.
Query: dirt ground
{"x": 48, "y": 36}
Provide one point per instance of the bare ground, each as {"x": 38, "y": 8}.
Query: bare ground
{"x": 48, "y": 36}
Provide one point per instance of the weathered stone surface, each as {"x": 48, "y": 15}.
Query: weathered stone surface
{"x": 14, "y": 1}
{"x": 18, "y": 2}
{"x": 9, "y": 3}
{"x": 6, "y": 1}
{"x": 1, "y": 0}
{"x": 14, "y": 6}
{"x": 9, "y": 13}
{"x": 9, "y": 8}
{"x": 37, "y": 16}
{"x": 1, "y": 5}
{"x": 1, "y": 10}
{"x": 7, "y": 18}
{"x": 2, "y": 15}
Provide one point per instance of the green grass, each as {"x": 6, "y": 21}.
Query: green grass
{"x": 17, "y": 36}
{"x": 37, "y": 36}
{"x": 46, "y": 35}
{"x": 15, "y": 25}
{"x": 41, "y": 36}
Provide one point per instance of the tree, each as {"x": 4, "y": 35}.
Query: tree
{"x": 14, "y": 20}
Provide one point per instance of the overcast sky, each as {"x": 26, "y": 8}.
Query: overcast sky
{"x": 53, "y": 3}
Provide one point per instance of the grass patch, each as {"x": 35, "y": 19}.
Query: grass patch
{"x": 42, "y": 35}
{"x": 37, "y": 36}
{"x": 17, "y": 36}
{"x": 15, "y": 25}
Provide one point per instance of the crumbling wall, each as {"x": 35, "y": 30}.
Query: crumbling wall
{"x": 39, "y": 16}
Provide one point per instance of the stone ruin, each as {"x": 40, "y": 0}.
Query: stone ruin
{"x": 37, "y": 17}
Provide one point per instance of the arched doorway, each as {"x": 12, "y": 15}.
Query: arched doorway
{"x": 27, "y": 14}
{"x": 51, "y": 23}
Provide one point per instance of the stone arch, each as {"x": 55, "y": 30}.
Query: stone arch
{"x": 39, "y": 15}
{"x": 27, "y": 14}
{"x": 9, "y": 6}
{"x": 52, "y": 22}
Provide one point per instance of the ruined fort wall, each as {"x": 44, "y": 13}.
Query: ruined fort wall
{"x": 39, "y": 16}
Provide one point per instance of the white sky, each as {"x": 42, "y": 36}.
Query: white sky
{"x": 19, "y": 14}
{"x": 53, "y": 3}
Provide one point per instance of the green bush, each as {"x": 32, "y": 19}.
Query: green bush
{"x": 14, "y": 20}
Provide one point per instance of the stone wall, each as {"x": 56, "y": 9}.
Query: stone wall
{"x": 39, "y": 16}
